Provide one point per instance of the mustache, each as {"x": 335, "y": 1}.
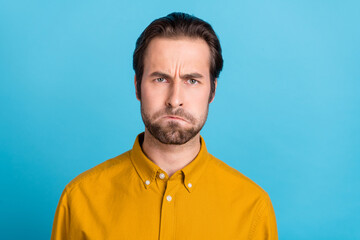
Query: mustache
{"x": 175, "y": 112}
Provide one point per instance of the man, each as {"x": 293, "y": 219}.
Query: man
{"x": 168, "y": 186}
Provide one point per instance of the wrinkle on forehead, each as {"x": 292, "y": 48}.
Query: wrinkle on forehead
{"x": 177, "y": 56}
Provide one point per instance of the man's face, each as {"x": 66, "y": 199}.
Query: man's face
{"x": 175, "y": 88}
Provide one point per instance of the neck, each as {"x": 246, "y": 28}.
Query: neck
{"x": 169, "y": 157}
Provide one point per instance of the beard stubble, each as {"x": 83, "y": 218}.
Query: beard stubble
{"x": 173, "y": 132}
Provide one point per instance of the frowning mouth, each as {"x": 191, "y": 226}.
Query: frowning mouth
{"x": 175, "y": 118}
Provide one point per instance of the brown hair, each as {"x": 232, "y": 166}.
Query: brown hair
{"x": 176, "y": 25}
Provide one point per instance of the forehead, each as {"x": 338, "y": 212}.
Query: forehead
{"x": 173, "y": 53}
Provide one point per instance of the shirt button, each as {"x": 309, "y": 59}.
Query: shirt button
{"x": 161, "y": 176}
{"x": 168, "y": 198}
{"x": 189, "y": 185}
{"x": 147, "y": 182}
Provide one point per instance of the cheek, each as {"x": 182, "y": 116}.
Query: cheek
{"x": 150, "y": 89}
{"x": 150, "y": 99}
{"x": 198, "y": 101}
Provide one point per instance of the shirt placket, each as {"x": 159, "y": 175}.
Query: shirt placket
{"x": 167, "y": 218}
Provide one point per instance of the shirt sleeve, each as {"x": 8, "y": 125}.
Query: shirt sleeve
{"x": 60, "y": 230}
{"x": 264, "y": 224}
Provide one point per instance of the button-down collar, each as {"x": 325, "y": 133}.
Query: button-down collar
{"x": 148, "y": 170}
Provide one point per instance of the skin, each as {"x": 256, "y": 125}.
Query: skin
{"x": 177, "y": 77}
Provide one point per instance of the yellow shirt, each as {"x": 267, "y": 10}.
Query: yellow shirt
{"x": 130, "y": 197}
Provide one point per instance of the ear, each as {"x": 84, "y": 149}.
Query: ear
{"x": 136, "y": 90}
{"x": 213, "y": 94}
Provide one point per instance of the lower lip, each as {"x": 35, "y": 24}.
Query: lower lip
{"x": 174, "y": 118}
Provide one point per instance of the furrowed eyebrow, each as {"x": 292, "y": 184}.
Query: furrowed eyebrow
{"x": 192, "y": 75}
{"x": 185, "y": 76}
{"x": 160, "y": 75}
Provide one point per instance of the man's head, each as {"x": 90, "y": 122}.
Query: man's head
{"x": 176, "y": 25}
{"x": 177, "y": 61}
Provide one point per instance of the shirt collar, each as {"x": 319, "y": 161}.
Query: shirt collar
{"x": 148, "y": 170}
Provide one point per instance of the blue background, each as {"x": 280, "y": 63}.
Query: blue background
{"x": 286, "y": 112}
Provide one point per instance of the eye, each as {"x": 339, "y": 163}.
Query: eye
{"x": 193, "y": 81}
{"x": 160, "y": 80}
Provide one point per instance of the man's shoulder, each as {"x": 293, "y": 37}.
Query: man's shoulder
{"x": 103, "y": 171}
{"x": 233, "y": 179}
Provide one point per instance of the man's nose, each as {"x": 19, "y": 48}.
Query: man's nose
{"x": 175, "y": 98}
